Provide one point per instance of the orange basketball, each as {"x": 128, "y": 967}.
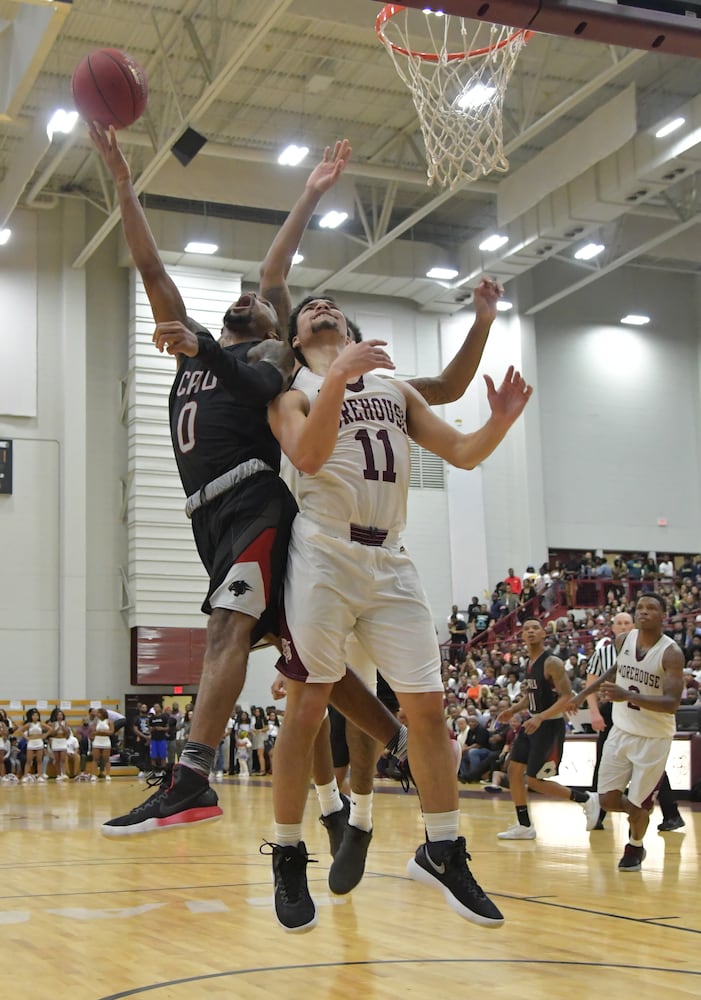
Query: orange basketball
{"x": 109, "y": 87}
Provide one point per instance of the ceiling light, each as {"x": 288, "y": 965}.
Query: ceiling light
{"x": 194, "y": 247}
{"x": 442, "y": 273}
{"x": 493, "y": 243}
{"x": 635, "y": 320}
{"x": 503, "y": 305}
{"x": 669, "y": 128}
{"x": 292, "y": 155}
{"x": 297, "y": 259}
{"x": 589, "y": 251}
{"x": 61, "y": 121}
{"x": 5, "y": 234}
{"x": 332, "y": 220}
{"x": 475, "y": 96}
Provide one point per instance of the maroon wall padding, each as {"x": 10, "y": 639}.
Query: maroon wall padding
{"x": 161, "y": 655}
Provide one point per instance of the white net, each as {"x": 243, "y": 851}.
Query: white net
{"x": 457, "y": 71}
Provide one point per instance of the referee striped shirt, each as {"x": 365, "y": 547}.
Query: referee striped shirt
{"x": 602, "y": 659}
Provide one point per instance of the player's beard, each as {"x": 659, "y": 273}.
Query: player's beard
{"x": 238, "y": 320}
{"x": 324, "y": 323}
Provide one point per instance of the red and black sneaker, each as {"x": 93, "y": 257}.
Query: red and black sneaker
{"x": 183, "y": 799}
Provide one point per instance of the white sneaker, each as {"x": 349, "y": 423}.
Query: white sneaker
{"x": 12, "y": 779}
{"x": 93, "y": 777}
{"x": 41, "y": 779}
{"x": 591, "y": 810}
{"x": 28, "y": 779}
{"x": 518, "y": 832}
{"x": 108, "y": 777}
{"x": 140, "y": 776}
{"x": 219, "y": 777}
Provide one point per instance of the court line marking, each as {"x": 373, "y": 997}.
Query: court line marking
{"x": 151, "y": 987}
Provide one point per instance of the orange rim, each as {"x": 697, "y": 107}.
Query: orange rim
{"x": 390, "y": 9}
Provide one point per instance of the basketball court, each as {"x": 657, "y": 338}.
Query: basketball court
{"x": 189, "y": 914}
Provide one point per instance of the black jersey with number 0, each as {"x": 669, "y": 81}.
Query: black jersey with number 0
{"x": 540, "y": 690}
{"x": 218, "y": 412}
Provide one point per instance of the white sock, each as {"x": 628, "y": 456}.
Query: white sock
{"x": 329, "y": 797}
{"x": 361, "y": 811}
{"x": 288, "y": 834}
{"x": 442, "y": 826}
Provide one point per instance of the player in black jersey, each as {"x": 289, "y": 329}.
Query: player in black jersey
{"x": 537, "y": 750}
{"x": 228, "y": 462}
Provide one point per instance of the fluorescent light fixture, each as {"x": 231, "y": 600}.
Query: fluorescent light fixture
{"x": 633, "y": 319}
{"x": 61, "y": 121}
{"x": 669, "y": 128}
{"x": 475, "y": 96}
{"x": 438, "y": 13}
{"x": 5, "y": 234}
{"x": 332, "y": 220}
{"x": 206, "y": 248}
{"x": 442, "y": 273}
{"x": 292, "y": 155}
{"x": 503, "y": 305}
{"x": 493, "y": 243}
{"x": 589, "y": 251}
{"x": 297, "y": 259}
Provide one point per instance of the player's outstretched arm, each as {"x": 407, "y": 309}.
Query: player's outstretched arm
{"x": 465, "y": 451}
{"x": 278, "y": 260}
{"x": 459, "y": 373}
{"x": 166, "y": 301}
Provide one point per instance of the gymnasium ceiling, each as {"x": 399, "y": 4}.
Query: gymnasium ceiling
{"x": 252, "y": 75}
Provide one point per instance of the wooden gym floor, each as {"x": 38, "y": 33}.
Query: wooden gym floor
{"x": 187, "y": 914}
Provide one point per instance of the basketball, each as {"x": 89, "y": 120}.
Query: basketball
{"x": 109, "y": 87}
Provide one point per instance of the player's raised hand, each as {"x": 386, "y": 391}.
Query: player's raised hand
{"x": 105, "y": 141}
{"x": 175, "y": 338}
{"x": 485, "y": 298}
{"x": 359, "y": 359}
{"x": 509, "y": 400}
{"x": 325, "y": 174}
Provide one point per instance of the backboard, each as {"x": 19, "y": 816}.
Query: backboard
{"x": 672, "y": 28}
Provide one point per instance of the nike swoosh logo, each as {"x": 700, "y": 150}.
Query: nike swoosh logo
{"x": 438, "y": 869}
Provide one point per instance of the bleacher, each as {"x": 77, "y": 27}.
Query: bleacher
{"x": 75, "y": 711}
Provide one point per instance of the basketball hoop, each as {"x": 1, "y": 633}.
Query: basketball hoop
{"x": 457, "y": 71}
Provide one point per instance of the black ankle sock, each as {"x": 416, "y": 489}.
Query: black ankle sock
{"x": 198, "y": 757}
{"x": 522, "y": 815}
{"x": 576, "y": 796}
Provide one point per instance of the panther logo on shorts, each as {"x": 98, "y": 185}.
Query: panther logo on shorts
{"x": 239, "y": 587}
{"x": 286, "y": 649}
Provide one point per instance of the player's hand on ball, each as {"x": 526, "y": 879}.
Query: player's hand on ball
{"x": 175, "y": 338}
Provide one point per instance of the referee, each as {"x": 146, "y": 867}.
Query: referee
{"x": 602, "y": 659}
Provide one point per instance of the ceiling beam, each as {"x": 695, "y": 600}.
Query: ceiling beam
{"x": 271, "y": 13}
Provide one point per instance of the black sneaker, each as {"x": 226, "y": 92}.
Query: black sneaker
{"x": 632, "y": 859}
{"x": 349, "y": 862}
{"x": 336, "y": 824}
{"x": 294, "y": 907}
{"x": 183, "y": 799}
{"x": 446, "y": 868}
{"x": 672, "y": 823}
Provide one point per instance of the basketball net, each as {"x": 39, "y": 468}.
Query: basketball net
{"x": 457, "y": 71}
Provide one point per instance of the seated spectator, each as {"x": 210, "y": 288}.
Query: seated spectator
{"x": 476, "y": 754}
{"x": 499, "y": 772}
{"x": 513, "y": 686}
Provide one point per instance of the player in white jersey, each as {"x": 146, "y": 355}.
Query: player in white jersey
{"x": 349, "y": 572}
{"x": 645, "y": 685}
